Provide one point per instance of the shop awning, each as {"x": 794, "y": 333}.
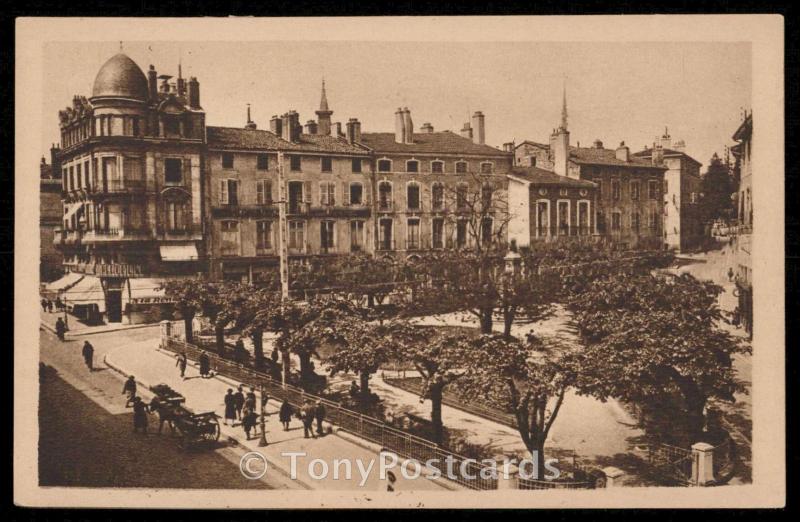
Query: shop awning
{"x": 72, "y": 210}
{"x": 64, "y": 283}
{"x": 145, "y": 290}
{"x": 87, "y": 291}
{"x": 178, "y": 252}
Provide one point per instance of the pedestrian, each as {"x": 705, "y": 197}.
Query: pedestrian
{"x": 249, "y": 416}
{"x": 181, "y": 364}
{"x": 251, "y": 395}
{"x": 139, "y": 415}
{"x": 88, "y": 355}
{"x": 239, "y": 352}
{"x": 307, "y": 416}
{"x": 285, "y": 414}
{"x": 354, "y": 390}
{"x": 59, "y": 304}
{"x": 730, "y": 274}
{"x": 49, "y": 306}
{"x": 163, "y": 414}
{"x": 319, "y": 414}
{"x": 61, "y": 328}
{"x": 238, "y": 402}
{"x": 205, "y": 365}
{"x": 44, "y": 304}
{"x": 130, "y": 388}
{"x": 230, "y": 407}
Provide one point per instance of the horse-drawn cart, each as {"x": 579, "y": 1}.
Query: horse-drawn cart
{"x": 194, "y": 429}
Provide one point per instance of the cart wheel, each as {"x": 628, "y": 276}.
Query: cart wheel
{"x": 213, "y": 435}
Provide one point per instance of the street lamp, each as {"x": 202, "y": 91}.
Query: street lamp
{"x": 263, "y": 440}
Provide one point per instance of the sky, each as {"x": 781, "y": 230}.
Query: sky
{"x": 615, "y": 91}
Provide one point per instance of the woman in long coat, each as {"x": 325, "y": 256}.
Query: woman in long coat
{"x": 230, "y": 407}
{"x": 139, "y": 415}
{"x": 205, "y": 365}
{"x": 285, "y": 414}
{"x": 249, "y": 416}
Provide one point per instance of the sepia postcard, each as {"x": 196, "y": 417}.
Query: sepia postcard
{"x": 470, "y": 262}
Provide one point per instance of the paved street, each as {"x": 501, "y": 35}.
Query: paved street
{"x": 86, "y": 434}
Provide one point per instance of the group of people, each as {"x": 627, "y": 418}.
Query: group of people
{"x": 310, "y": 412}
{"x": 50, "y": 306}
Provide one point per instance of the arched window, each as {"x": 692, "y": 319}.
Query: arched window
{"x": 412, "y": 166}
{"x": 384, "y": 165}
{"x": 437, "y": 167}
{"x": 461, "y": 167}
{"x": 437, "y": 196}
{"x": 384, "y": 195}
{"x": 412, "y": 193}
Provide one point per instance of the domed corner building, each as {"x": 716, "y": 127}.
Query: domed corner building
{"x": 131, "y": 158}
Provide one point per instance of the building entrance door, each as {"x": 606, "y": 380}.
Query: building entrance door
{"x": 114, "y": 305}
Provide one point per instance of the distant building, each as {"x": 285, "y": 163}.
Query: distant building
{"x": 630, "y": 189}
{"x": 131, "y": 162}
{"x": 683, "y": 224}
{"x": 50, "y": 213}
{"x": 743, "y": 238}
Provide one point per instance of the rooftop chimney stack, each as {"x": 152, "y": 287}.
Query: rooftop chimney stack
{"x": 597, "y": 144}
{"x": 466, "y": 131}
{"x": 337, "y": 129}
{"x": 353, "y": 131}
{"x": 251, "y": 125}
{"x": 666, "y": 139}
{"x": 479, "y": 133}
{"x": 194, "y": 93}
{"x": 409, "y": 126}
{"x": 276, "y": 125}
{"x": 623, "y": 152}
{"x": 658, "y": 154}
{"x": 152, "y": 83}
{"x": 508, "y": 146}
{"x": 426, "y": 128}
{"x": 399, "y": 126}
{"x": 311, "y": 127}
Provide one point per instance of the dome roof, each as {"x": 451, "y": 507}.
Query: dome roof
{"x": 120, "y": 77}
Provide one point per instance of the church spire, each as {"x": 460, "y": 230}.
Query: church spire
{"x": 324, "y": 113}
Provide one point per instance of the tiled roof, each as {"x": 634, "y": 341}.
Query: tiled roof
{"x": 539, "y": 176}
{"x": 428, "y": 143}
{"x": 648, "y": 153}
{"x": 250, "y": 139}
{"x": 594, "y": 156}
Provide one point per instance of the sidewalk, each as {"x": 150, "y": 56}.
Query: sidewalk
{"x": 151, "y": 366}
{"x": 78, "y": 329}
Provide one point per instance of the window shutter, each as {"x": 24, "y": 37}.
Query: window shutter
{"x": 260, "y": 192}
{"x": 223, "y": 191}
{"x": 366, "y": 193}
{"x": 307, "y": 192}
{"x": 345, "y": 193}
{"x": 332, "y": 193}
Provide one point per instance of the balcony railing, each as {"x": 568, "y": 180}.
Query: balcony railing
{"x": 117, "y": 234}
{"x": 181, "y": 232}
{"x": 385, "y": 206}
{"x": 298, "y": 207}
{"x": 386, "y": 244}
{"x": 119, "y": 186}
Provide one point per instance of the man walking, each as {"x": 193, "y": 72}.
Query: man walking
{"x": 181, "y": 364}
{"x": 139, "y": 415}
{"x": 44, "y": 304}
{"x": 130, "y": 388}
{"x": 307, "y": 416}
{"x": 238, "y": 402}
{"x": 205, "y": 365}
{"x": 88, "y": 355}
{"x": 61, "y": 328}
{"x": 319, "y": 414}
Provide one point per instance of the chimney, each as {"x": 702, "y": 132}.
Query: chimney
{"x": 597, "y": 144}
{"x": 623, "y": 152}
{"x": 251, "y": 125}
{"x": 559, "y": 151}
{"x": 666, "y": 139}
{"x": 409, "y": 125}
{"x": 466, "y": 131}
{"x": 426, "y": 128}
{"x": 508, "y": 146}
{"x": 478, "y": 123}
{"x": 55, "y": 164}
{"x": 337, "y": 129}
{"x": 152, "y": 83}
{"x": 658, "y": 154}
{"x": 353, "y": 131}
{"x": 275, "y": 125}
{"x": 311, "y": 127}
{"x": 399, "y": 126}
{"x": 194, "y": 93}
{"x": 297, "y": 129}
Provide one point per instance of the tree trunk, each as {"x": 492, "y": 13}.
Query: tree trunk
{"x": 370, "y": 301}
{"x": 364, "y": 376}
{"x": 436, "y": 412}
{"x": 219, "y": 332}
{"x": 286, "y": 363}
{"x": 187, "y": 326}
{"x": 258, "y": 349}
{"x": 486, "y": 320}
{"x": 305, "y": 368}
{"x": 508, "y": 320}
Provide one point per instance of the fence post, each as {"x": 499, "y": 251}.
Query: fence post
{"x": 166, "y": 332}
{"x": 613, "y": 476}
{"x": 507, "y": 476}
{"x": 702, "y": 464}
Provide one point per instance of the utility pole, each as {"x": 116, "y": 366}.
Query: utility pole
{"x": 283, "y": 247}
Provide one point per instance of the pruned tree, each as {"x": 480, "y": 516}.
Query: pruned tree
{"x": 436, "y": 353}
{"x": 659, "y": 336}
{"x": 526, "y": 378}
